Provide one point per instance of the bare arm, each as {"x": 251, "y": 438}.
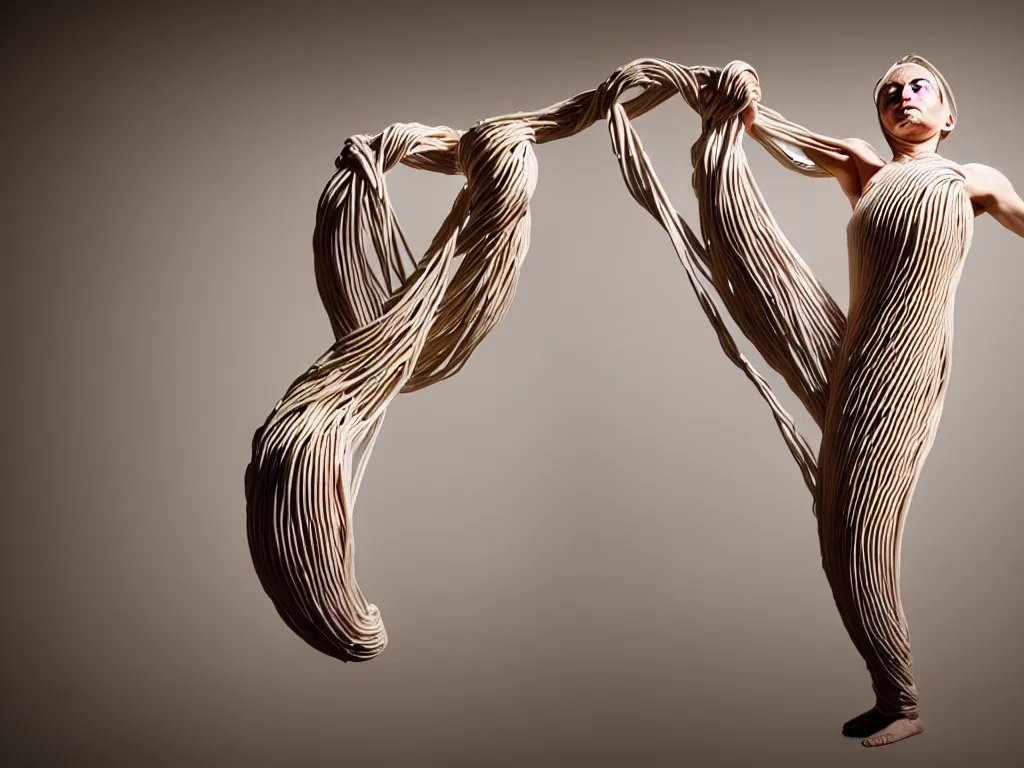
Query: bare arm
{"x": 990, "y": 190}
{"x": 852, "y": 165}
{"x": 852, "y": 162}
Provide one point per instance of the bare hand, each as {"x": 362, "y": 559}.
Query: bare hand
{"x": 749, "y": 114}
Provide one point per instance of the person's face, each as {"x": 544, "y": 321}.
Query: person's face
{"x": 910, "y": 104}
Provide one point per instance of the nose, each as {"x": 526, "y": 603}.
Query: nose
{"x": 908, "y": 92}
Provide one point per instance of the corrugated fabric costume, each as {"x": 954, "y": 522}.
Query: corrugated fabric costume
{"x": 873, "y": 381}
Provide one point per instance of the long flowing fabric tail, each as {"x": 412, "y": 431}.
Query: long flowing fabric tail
{"x": 766, "y": 287}
{"x": 310, "y": 455}
{"x": 402, "y": 323}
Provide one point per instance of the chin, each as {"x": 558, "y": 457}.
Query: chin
{"x": 911, "y": 131}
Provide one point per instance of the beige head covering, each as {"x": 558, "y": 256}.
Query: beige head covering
{"x": 944, "y": 89}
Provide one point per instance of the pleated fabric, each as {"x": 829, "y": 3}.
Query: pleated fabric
{"x": 403, "y": 322}
{"x": 908, "y": 237}
{"x": 310, "y": 455}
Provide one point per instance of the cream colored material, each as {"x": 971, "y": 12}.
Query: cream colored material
{"x": 907, "y": 239}
{"x": 403, "y": 322}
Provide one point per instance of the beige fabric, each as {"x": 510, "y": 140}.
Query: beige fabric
{"x": 309, "y": 457}
{"x": 402, "y": 323}
{"x": 907, "y": 239}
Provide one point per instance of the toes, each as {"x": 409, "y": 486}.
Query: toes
{"x": 901, "y": 729}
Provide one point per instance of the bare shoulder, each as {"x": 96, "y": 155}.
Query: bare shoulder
{"x": 866, "y": 161}
{"x": 985, "y": 184}
{"x": 991, "y": 192}
{"x": 864, "y": 152}
{"x": 984, "y": 176}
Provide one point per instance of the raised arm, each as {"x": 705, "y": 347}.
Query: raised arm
{"x": 850, "y": 161}
{"x": 993, "y": 193}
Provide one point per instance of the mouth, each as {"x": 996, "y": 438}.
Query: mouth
{"x": 905, "y": 114}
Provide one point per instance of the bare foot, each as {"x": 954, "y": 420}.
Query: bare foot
{"x": 867, "y": 723}
{"x": 897, "y": 730}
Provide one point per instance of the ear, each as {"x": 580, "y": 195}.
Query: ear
{"x": 948, "y": 120}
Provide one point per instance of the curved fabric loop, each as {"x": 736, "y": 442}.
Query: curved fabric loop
{"x": 310, "y": 455}
{"x": 401, "y": 324}
{"x": 355, "y": 202}
{"x": 501, "y": 176}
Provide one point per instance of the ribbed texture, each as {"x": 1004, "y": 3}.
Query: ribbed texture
{"x": 908, "y": 237}
{"x": 310, "y": 455}
{"x": 875, "y": 384}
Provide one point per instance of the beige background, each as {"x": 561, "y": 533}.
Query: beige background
{"x": 591, "y": 546}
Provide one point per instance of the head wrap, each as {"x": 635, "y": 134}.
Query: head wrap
{"x": 945, "y": 91}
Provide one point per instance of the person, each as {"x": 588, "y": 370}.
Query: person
{"x": 908, "y": 235}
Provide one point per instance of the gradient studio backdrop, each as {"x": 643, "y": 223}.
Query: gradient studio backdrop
{"x": 591, "y": 545}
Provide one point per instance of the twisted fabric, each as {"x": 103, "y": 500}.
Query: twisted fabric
{"x": 402, "y": 323}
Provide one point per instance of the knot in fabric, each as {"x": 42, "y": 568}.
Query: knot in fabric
{"x": 736, "y": 87}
